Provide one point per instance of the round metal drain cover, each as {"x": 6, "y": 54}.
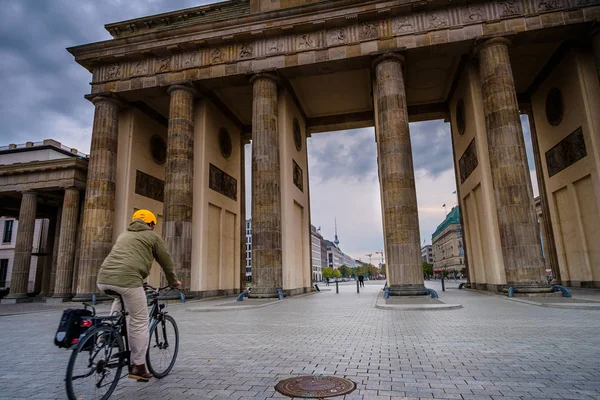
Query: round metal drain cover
{"x": 315, "y": 386}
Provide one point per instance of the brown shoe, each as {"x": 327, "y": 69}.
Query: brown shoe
{"x": 139, "y": 372}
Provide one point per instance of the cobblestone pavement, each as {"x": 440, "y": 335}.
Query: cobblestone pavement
{"x": 490, "y": 349}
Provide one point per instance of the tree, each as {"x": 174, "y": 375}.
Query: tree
{"x": 427, "y": 269}
{"x": 372, "y": 271}
{"x": 344, "y": 270}
{"x": 382, "y": 269}
{"x": 327, "y": 272}
{"x": 337, "y": 273}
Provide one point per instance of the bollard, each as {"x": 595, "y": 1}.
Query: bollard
{"x": 242, "y": 295}
{"x": 182, "y": 297}
{"x": 357, "y": 287}
{"x": 317, "y": 287}
{"x": 386, "y": 294}
{"x": 337, "y": 289}
{"x": 443, "y": 287}
{"x": 93, "y": 299}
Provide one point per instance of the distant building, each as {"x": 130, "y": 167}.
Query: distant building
{"x": 336, "y": 257}
{"x": 427, "y": 253}
{"x": 447, "y": 244}
{"x": 318, "y": 259}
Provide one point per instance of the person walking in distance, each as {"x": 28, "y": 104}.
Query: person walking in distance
{"x": 361, "y": 280}
{"x": 124, "y": 272}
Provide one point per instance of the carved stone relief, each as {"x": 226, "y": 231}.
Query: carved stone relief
{"x": 402, "y": 24}
{"x": 246, "y": 50}
{"x": 435, "y": 20}
{"x": 140, "y": 68}
{"x": 113, "y": 71}
{"x": 216, "y": 55}
{"x": 568, "y": 151}
{"x": 509, "y": 7}
{"x": 149, "y": 186}
{"x": 368, "y": 30}
{"x": 548, "y": 5}
{"x": 274, "y": 46}
{"x": 306, "y": 41}
{"x": 190, "y": 59}
{"x": 223, "y": 183}
{"x": 473, "y": 13}
{"x": 468, "y": 161}
{"x": 163, "y": 64}
{"x": 298, "y": 176}
{"x": 336, "y": 36}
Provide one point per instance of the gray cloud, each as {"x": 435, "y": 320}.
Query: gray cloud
{"x": 42, "y": 87}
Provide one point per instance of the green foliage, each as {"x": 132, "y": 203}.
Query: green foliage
{"x": 327, "y": 272}
{"x": 427, "y": 269}
{"x": 372, "y": 271}
{"x": 345, "y": 271}
{"x": 337, "y": 273}
{"x": 382, "y": 269}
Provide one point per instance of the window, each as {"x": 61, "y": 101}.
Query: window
{"x": 8, "y": 227}
{"x": 3, "y": 271}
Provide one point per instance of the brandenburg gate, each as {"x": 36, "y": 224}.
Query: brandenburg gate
{"x": 178, "y": 95}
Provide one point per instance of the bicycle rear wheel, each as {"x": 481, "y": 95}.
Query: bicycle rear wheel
{"x": 163, "y": 346}
{"x": 95, "y": 365}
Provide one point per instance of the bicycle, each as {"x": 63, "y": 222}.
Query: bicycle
{"x": 103, "y": 350}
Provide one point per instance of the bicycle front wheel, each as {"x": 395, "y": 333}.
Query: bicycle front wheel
{"x": 163, "y": 346}
{"x": 95, "y": 365}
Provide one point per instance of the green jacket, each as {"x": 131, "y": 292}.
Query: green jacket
{"x": 130, "y": 259}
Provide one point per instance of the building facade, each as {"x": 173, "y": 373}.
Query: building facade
{"x": 41, "y": 187}
{"x": 317, "y": 244}
{"x": 447, "y": 245}
{"x": 427, "y": 254}
{"x": 248, "y": 250}
{"x": 208, "y": 79}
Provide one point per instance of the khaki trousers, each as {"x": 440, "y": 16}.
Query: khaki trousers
{"x": 137, "y": 322}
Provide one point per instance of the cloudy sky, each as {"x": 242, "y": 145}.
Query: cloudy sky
{"x": 42, "y": 97}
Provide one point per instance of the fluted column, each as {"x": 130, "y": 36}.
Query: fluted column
{"x": 48, "y": 258}
{"x": 267, "y": 272}
{"x": 399, "y": 196}
{"x": 518, "y": 226}
{"x": 66, "y": 244}
{"x": 22, "y": 261}
{"x": 178, "y": 206}
{"x": 55, "y": 251}
{"x": 99, "y": 206}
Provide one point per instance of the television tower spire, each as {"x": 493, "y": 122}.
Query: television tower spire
{"x": 336, "y": 241}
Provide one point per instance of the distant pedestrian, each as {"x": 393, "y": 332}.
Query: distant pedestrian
{"x": 326, "y": 281}
{"x": 361, "y": 280}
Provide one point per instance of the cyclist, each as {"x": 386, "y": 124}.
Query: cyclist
{"x": 124, "y": 271}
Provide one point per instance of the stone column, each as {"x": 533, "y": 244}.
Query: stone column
{"x": 519, "y": 235}
{"x": 48, "y": 258}
{"x": 66, "y": 244}
{"x": 55, "y": 252}
{"x": 596, "y": 49}
{"x": 399, "y": 197}
{"x": 267, "y": 272}
{"x": 178, "y": 206}
{"x": 22, "y": 261}
{"x": 97, "y": 230}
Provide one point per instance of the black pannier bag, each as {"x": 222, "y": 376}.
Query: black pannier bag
{"x": 71, "y": 327}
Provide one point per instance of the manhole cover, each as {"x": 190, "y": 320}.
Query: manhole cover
{"x": 315, "y": 386}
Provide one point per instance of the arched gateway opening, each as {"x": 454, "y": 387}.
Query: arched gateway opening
{"x": 207, "y": 80}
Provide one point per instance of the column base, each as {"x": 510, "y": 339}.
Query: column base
{"x": 407, "y": 290}
{"x": 17, "y": 296}
{"x": 536, "y": 288}
{"x": 263, "y": 293}
{"x": 17, "y": 300}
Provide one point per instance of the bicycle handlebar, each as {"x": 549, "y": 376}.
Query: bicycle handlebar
{"x": 156, "y": 289}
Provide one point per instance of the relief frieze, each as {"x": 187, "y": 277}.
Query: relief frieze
{"x": 357, "y": 30}
{"x": 163, "y": 64}
{"x": 509, "y": 7}
{"x": 298, "y": 176}
{"x": 566, "y": 152}
{"x": 468, "y": 162}
{"x": 221, "y": 182}
{"x": 306, "y": 41}
{"x": 149, "y": 186}
{"x": 403, "y": 24}
{"x": 368, "y": 30}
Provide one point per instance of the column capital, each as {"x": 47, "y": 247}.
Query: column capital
{"x": 111, "y": 98}
{"x": 182, "y": 87}
{"x": 389, "y": 56}
{"x": 483, "y": 43}
{"x": 265, "y": 76}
